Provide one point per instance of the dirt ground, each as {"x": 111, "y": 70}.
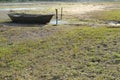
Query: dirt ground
{"x": 73, "y": 13}
{"x": 68, "y": 8}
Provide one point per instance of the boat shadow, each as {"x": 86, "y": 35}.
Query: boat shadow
{"x": 12, "y": 24}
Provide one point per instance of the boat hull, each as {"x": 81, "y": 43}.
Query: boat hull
{"x": 30, "y": 18}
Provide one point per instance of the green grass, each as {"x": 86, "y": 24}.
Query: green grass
{"x": 63, "y": 52}
{"x": 113, "y": 14}
{"x": 69, "y": 53}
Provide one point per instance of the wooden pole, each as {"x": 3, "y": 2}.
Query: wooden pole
{"x": 56, "y": 16}
{"x": 61, "y": 13}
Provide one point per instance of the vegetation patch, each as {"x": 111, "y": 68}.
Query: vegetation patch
{"x": 110, "y": 15}
{"x": 70, "y": 53}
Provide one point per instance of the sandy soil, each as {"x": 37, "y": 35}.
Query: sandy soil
{"x": 69, "y": 9}
{"x": 75, "y": 8}
{"x": 82, "y": 9}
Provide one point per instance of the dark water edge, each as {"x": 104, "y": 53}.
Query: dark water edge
{"x": 60, "y": 0}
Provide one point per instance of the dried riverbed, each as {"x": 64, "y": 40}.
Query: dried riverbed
{"x": 73, "y": 13}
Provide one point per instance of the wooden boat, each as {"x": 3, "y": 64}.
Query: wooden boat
{"x": 30, "y": 18}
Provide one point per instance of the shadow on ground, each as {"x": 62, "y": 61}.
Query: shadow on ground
{"x": 11, "y": 24}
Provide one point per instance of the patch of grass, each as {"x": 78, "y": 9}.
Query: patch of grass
{"x": 4, "y": 51}
{"x": 109, "y": 15}
{"x": 2, "y": 39}
{"x": 70, "y": 53}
